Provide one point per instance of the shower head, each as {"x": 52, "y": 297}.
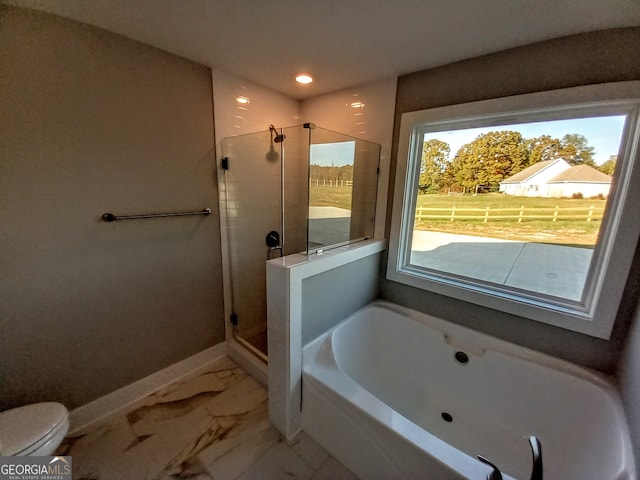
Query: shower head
{"x": 279, "y": 137}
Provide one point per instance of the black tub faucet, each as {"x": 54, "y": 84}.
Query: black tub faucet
{"x": 536, "y": 452}
{"x": 495, "y": 474}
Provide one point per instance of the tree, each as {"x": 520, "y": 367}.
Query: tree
{"x": 609, "y": 166}
{"x": 576, "y": 150}
{"x": 490, "y": 158}
{"x": 435, "y": 158}
{"x": 543, "y": 148}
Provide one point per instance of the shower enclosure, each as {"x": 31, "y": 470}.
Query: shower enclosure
{"x": 300, "y": 189}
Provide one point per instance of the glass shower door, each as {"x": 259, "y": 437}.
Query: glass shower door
{"x": 253, "y": 191}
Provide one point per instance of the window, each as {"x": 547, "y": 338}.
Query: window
{"x": 522, "y": 204}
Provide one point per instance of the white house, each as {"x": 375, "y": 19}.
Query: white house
{"x": 532, "y": 181}
{"x": 581, "y": 179}
{"x": 556, "y": 178}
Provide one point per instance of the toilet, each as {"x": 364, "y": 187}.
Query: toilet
{"x": 33, "y": 430}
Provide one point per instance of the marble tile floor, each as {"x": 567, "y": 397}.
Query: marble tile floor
{"x": 211, "y": 426}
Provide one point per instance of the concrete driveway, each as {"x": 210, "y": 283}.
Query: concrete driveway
{"x": 549, "y": 269}
{"x": 328, "y": 226}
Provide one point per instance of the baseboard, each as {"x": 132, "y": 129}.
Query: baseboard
{"x": 121, "y": 399}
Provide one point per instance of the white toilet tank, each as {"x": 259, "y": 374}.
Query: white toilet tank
{"x": 33, "y": 430}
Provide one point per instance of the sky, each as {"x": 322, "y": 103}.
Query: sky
{"x": 336, "y": 154}
{"x": 602, "y": 133}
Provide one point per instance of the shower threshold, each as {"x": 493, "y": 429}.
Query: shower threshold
{"x": 257, "y": 344}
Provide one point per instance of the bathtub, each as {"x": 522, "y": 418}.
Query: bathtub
{"x": 396, "y": 394}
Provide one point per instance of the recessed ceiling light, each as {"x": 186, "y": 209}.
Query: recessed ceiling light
{"x": 304, "y": 78}
{"x": 242, "y": 100}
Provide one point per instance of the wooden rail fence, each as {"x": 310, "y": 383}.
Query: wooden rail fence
{"x": 520, "y": 214}
{"x": 323, "y": 182}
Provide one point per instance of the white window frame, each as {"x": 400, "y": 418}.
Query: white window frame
{"x": 595, "y": 314}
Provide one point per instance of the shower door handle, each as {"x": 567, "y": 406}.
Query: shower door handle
{"x": 273, "y": 242}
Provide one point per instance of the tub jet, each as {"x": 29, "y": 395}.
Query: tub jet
{"x": 462, "y": 358}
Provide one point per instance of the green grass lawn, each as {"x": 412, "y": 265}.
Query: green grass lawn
{"x": 498, "y": 200}
{"x": 330, "y": 197}
{"x": 566, "y": 230}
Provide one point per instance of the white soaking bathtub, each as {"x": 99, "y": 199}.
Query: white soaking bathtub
{"x": 385, "y": 393}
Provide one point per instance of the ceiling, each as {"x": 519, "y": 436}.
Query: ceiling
{"x": 342, "y": 43}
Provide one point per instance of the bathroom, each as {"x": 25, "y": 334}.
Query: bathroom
{"x": 91, "y": 307}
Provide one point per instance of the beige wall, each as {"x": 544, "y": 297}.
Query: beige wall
{"x": 597, "y": 57}
{"x": 628, "y": 376}
{"x": 92, "y": 122}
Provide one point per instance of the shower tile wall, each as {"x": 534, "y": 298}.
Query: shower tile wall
{"x": 265, "y": 107}
{"x": 366, "y": 112}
